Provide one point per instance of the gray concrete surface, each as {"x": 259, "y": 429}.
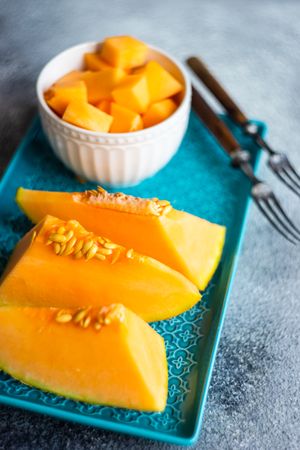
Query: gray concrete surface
{"x": 253, "y": 46}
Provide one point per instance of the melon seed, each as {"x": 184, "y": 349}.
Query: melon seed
{"x": 78, "y": 255}
{"x": 92, "y": 252}
{"x": 111, "y": 245}
{"x": 62, "y": 249}
{"x": 85, "y": 322}
{"x": 87, "y": 245}
{"x": 97, "y": 326}
{"x": 69, "y": 235}
{"x": 63, "y": 317}
{"x": 100, "y": 257}
{"x": 115, "y": 256}
{"x": 56, "y": 248}
{"x": 73, "y": 223}
{"x": 129, "y": 253}
{"x": 55, "y": 237}
{"x": 78, "y": 246}
{"x": 163, "y": 202}
{"x": 80, "y": 315}
{"x": 105, "y": 251}
{"x": 70, "y": 245}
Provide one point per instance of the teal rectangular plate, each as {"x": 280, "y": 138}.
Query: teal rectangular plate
{"x": 200, "y": 180}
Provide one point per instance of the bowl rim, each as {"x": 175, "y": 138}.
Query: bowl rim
{"x": 139, "y": 133}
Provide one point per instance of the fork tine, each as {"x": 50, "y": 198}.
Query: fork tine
{"x": 272, "y": 221}
{"x": 293, "y": 170}
{"x": 287, "y": 183}
{"x": 291, "y": 178}
{"x": 277, "y": 203}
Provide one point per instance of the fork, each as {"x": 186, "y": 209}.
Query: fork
{"x": 261, "y": 193}
{"x": 278, "y": 162}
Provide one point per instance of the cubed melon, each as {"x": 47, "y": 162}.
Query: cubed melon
{"x": 100, "y": 84}
{"x": 125, "y": 52}
{"x": 159, "y": 111}
{"x": 104, "y": 105}
{"x": 93, "y": 62}
{"x": 124, "y": 120}
{"x": 160, "y": 82}
{"x": 133, "y": 93}
{"x": 83, "y": 115}
{"x": 109, "y": 357}
{"x": 60, "y": 95}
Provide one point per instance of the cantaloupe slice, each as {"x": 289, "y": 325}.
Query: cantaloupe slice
{"x": 93, "y": 62}
{"x": 133, "y": 93}
{"x": 125, "y": 52}
{"x": 110, "y": 356}
{"x": 100, "y": 84}
{"x": 60, "y": 264}
{"x": 159, "y": 111}
{"x": 124, "y": 120}
{"x": 83, "y": 115}
{"x": 161, "y": 83}
{"x": 60, "y": 95}
{"x": 185, "y": 242}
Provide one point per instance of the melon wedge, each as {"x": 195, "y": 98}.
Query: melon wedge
{"x": 60, "y": 264}
{"x": 111, "y": 357}
{"x": 187, "y": 243}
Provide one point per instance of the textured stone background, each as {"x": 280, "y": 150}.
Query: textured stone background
{"x": 253, "y": 46}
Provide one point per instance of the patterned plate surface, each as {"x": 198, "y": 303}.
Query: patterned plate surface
{"x": 199, "y": 180}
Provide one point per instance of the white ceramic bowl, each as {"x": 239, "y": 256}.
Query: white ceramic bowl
{"x": 116, "y": 159}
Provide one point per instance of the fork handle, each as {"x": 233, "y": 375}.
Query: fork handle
{"x": 239, "y": 158}
{"x": 208, "y": 79}
{"x": 214, "y": 123}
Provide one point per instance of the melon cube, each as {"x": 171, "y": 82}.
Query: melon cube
{"x": 104, "y": 106}
{"x": 86, "y": 116}
{"x": 74, "y": 75}
{"x": 133, "y": 93}
{"x": 124, "y": 120}
{"x": 124, "y": 51}
{"x": 100, "y": 84}
{"x": 93, "y": 62}
{"x": 161, "y": 83}
{"x": 60, "y": 95}
{"x": 159, "y": 111}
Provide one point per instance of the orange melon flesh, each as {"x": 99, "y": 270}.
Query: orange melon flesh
{"x": 122, "y": 364}
{"x": 104, "y": 106}
{"x": 158, "y": 112}
{"x": 83, "y": 115}
{"x": 161, "y": 83}
{"x": 132, "y": 93}
{"x": 60, "y": 95}
{"x": 42, "y": 272}
{"x": 124, "y": 120}
{"x": 125, "y": 52}
{"x": 187, "y": 243}
{"x": 100, "y": 84}
{"x": 94, "y": 62}
{"x": 74, "y": 75}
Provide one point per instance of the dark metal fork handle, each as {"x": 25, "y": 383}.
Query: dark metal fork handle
{"x": 219, "y": 129}
{"x": 213, "y": 85}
